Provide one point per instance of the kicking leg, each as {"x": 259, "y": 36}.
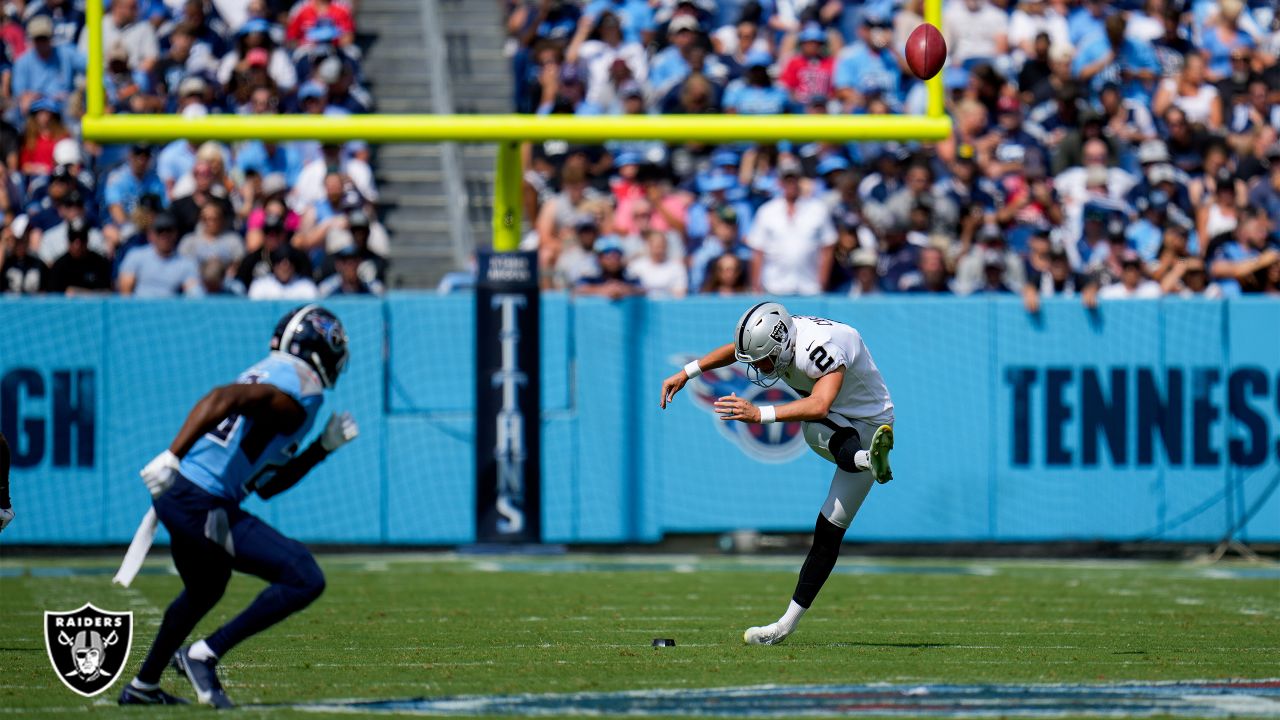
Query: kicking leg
{"x": 847, "y": 492}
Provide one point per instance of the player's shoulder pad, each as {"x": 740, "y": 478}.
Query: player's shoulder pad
{"x": 292, "y": 376}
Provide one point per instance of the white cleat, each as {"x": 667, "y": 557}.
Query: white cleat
{"x": 768, "y": 635}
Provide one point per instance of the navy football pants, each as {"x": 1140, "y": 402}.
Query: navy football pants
{"x": 209, "y": 537}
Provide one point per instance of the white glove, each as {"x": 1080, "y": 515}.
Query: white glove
{"x": 340, "y": 430}
{"x": 6, "y": 517}
{"x": 160, "y": 473}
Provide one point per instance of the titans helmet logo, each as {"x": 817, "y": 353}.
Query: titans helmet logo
{"x": 774, "y": 443}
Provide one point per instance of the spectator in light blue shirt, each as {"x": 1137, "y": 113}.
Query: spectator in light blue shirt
{"x": 255, "y": 156}
{"x": 157, "y": 270}
{"x": 1110, "y": 57}
{"x": 671, "y": 65}
{"x": 635, "y": 17}
{"x": 176, "y": 160}
{"x": 128, "y": 183}
{"x": 755, "y": 93}
{"x": 44, "y": 70}
{"x": 1086, "y": 20}
{"x": 869, "y": 64}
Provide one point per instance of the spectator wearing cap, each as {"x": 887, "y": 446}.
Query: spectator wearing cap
{"x": 1187, "y": 278}
{"x": 1192, "y": 93}
{"x": 43, "y": 131}
{"x": 1030, "y": 203}
{"x": 372, "y": 266}
{"x": 1174, "y": 248}
{"x": 67, "y": 18}
{"x": 866, "y": 274}
{"x": 1058, "y": 281}
{"x": 80, "y": 271}
{"x": 1159, "y": 174}
{"x": 256, "y": 48}
{"x": 967, "y": 188}
{"x": 346, "y": 279}
{"x": 714, "y": 189}
{"x": 724, "y": 238}
{"x": 671, "y": 65}
{"x": 755, "y": 92}
{"x": 123, "y": 25}
{"x": 68, "y": 161}
{"x": 307, "y": 14}
{"x": 45, "y": 209}
{"x": 611, "y": 279}
{"x": 284, "y": 282}
{"x": 324, "y": 217}
{"x": 1133, "y": 283}
{"x": 127, "y": 90}
{"x": 45, "y": 70}
{"x": 1114, "y": 57}
{"x": 972, "y": 269}
{"x": 1146, "y": 234}
{"x": 1092, "y": 181}
{"x": 658, "y": 272}
{"x": 1240, "y": 263}
{"x": 975, "y": 30}
{"x": 128, "y": 183}
{"x": 599, "y": 46}
{"x": 808, "y": 74}
{"x": 1031, "y": 20}
{"x": 156, "y": 270}
{"x": 21, "y": 272}
{"x": 212, "y": 237}
{"x": 1011, "y": 130}
{"x": 792, "y": 239}
{"x": 53, "y": 242}
{"x": 870, "y": 65}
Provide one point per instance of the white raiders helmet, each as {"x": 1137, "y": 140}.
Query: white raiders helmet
{"x": 765, "y": 331}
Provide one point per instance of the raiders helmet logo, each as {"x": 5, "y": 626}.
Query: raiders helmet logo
{"x": 779, "y": 332}
{"x": 88, "y": 647}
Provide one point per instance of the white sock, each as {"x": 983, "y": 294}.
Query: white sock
{"x": 791, "y": 617}
{"x": 862, "y": 459}
{"x": 144, "y": 686}
{"x": 200, "y": 651}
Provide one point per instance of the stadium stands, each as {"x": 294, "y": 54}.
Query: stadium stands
{"x": 1118, "y": 149}
{"x": 256, "y": 219}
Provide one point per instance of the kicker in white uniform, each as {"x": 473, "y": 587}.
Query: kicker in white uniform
{"x": 845, "y": 411}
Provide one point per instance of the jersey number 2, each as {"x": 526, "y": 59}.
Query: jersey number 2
{"x": 821, "y": 359}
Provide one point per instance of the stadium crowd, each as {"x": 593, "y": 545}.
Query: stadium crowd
{"x": 290, "y": 220}
{"x": 1101, "y": 148}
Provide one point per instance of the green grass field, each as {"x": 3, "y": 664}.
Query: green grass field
{"x": 402, "y": 626}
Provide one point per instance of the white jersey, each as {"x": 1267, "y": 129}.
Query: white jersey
{"x": 822, "y": 346}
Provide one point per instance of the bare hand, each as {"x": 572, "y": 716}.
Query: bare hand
{"x": 736, "y": 408}
{"x": 671, "y": 386}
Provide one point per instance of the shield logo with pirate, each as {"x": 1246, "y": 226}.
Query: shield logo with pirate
{"x": 88, "y": 647}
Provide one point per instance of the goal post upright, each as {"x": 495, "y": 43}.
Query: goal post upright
{"x": 506, "y": 130}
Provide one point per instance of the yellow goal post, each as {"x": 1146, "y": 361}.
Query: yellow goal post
{"x": 506, "y": 130}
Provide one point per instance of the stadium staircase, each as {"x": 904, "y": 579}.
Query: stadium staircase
{"x": 435, "y": 56}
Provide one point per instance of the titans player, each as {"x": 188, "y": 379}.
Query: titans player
{"x": 241, "y": 438}
{"x": 844, "y": 408}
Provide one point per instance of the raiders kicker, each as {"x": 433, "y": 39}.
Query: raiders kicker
{"x": 844, "y": 409}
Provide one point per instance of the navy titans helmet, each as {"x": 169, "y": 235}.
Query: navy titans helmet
{"x": 315, "y": 336}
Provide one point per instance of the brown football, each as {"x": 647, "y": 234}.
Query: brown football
{"x": 926, "y": 51}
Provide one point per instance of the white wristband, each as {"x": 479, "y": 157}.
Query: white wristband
{"x": 768, "y": 414}
{"x": 692, "y": 369}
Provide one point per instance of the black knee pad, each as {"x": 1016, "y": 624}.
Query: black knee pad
{"x": 844, "y": 444}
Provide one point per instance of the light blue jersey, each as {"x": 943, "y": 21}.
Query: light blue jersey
{"x": 238, "y": 455}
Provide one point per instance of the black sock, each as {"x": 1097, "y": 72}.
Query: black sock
{"x": 822, "y": 558}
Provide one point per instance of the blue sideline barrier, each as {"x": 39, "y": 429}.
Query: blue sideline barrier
{"x": 1145, "y": 420}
